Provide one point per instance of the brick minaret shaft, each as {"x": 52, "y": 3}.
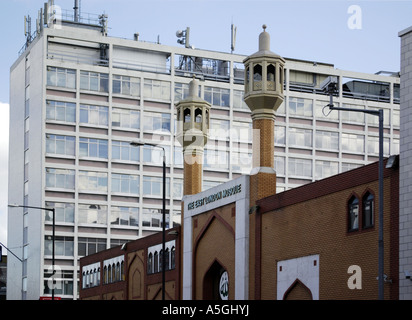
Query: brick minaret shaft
{"x": 263, "y": 95}
{"x": 192, "y": 133}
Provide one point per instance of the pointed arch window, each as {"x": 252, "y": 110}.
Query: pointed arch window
{"x": 271, "y": 73}
{"x": 150, "y": 264}
{"x": 187, "y": 115}
{"x": 156, "y": 262}
{"x": 353, "y": 214}
{"x": 257, "y": 72}
{"x": 367, "y": 210}
{"x": 173, "y": 258}
{"x": 198, "y": 115}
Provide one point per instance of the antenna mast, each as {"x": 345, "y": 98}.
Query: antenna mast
{"x": 76, "y": 10}
{"x": 233, "y": 44}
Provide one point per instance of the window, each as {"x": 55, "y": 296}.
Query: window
{"x": 92, "y": 214}
{"x": 60, "y": 145}
{"x": 126, "y": 85}
{"x": 280, "y": 135}
{"x": 126, "y": 119}
{"x": 155, "y": 155}
{"x": 154, "y": 218}
{"x": 60, "y": 178}
{"x": 150, "y": 263}
{"x": 353, "y": 214}
{"x": 178, "y": 157}
{"x": 156, "y": 89}
{"x": 300, "y": 137}
{"x": 216, "y": 159}
{"x": 241, "y": 131}
{"x": 64, "y": 246}
{"x": 241, "y": 161}
{"x": 125, "y": 183}
{"x": 219, "y": 129}
{"x": 257, "y": 72}
{"x": 373, "y": 145}
{"x": 59, "y": 77}
{"x": 353, "y": 142}
{"x": 93, "y": 81}
{"x": 181, "y": 91}
{"x": 177, "y": 188}
{"x": 367, "y": 211}
{"x": 173, "y": 258}
{"x": 124, "y": 151}
{"x": 280, "y": 165}
{"x": 300, "y": 107}
{"x": 327, "y": 140}
{"x": 156, "y": 121}
{"x": 64, "y": 212}
{"x": 94, "y": 115}
{"x": 300, "y": 167}
{"x": 153, "y": 186}
{"x": 93, "y": 148}
{"x": 156, "y": 262}
{"x": 88, "y": 246}
{"x": 61, "y": 111}
{"x": 63, "y": 282}
{"x": 217, "y": 96}
{"x": 92, "y": 181}
{"x": 124, "y": 216}
{"x": 353, "y": 117}
{"x": 238, "y": 100}
{"x": 326, "y": 169}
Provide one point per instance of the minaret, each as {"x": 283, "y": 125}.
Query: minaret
{"x": 264, "y": 72}
{"x": 263, "y": 95}
{"x": 192, "y": 133}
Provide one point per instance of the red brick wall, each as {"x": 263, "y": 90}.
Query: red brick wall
{"x": 313, "y": 220}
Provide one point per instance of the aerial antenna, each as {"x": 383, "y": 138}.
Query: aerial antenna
{"x": 233, "y": 44}
{"x": 76, "y": 8}
{"x": 27, "y": 29}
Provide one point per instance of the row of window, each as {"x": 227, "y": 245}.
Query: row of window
{"x": 156, "y": 89}
{"x": 64, "y": 245}
{"x": 118, "y": 215}
{"x": 154, "y": 261}
{"x": 219, "y": 129}
{"x": 120, "y": 183}
{"x": 111, "y": 273}
{"x": 361, "y": 212}
{"x": 115, "y": 272}
{"x": 220, "y": 97}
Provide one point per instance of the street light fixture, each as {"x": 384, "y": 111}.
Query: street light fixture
{"x": 138, "y": 144}
{"x": 330, "y": 85}
{"x": 53, "y": 232}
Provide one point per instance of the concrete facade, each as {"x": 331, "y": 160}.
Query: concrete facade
{"x": 405, "y": 196}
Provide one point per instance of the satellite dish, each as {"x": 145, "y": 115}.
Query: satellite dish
{"x": 179, "y": 33}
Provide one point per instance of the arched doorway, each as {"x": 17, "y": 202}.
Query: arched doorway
{"x": 298, "y": 291}
{"x": 216, "y": 283}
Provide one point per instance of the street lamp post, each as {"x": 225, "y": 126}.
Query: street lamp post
{"x": 331, "y": 87}
{"x": 53, "y": 234}
{"x": 137, "y": 144}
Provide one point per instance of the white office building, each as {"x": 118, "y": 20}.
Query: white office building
{"x": 79, "y": 98}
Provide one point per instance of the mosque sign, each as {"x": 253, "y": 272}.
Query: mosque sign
{"x": 225, "y": 193}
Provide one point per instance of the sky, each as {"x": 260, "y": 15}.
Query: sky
{"x": 358, "y": 35}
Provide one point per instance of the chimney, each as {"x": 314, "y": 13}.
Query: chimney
{"x": 192, "y": 133}
{"x": 264, "y": 72}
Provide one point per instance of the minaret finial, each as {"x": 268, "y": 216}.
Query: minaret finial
{"x": 264, "y": 27}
